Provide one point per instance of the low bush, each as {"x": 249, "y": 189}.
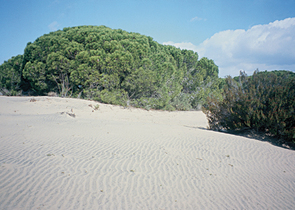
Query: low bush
{"x": 264, "y": 102}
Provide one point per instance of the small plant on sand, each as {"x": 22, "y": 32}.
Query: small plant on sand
{"x": 96, "y": 107}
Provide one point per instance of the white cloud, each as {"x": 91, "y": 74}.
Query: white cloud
{"x": 197, "y": 19}
{"x": 182, "y": 45}
{"x": 53, "y": 26}
{"x": 266, "y": 47}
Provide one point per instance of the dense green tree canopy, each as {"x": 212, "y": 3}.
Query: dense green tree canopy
{"x": 112, "y": 66}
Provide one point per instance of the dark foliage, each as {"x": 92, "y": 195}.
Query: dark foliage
{"x": 10, "y": 76}
{"x": 264, "y": 102}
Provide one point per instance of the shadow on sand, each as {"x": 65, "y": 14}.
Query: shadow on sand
{"x": 260, "y": 136}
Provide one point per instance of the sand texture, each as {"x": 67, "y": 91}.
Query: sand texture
{"x": 60, "y": 153}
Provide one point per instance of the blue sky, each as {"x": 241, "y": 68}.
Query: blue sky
{"x": 237, "y": 35}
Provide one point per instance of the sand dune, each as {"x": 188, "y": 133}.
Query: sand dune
{"x": 59, "y": 153}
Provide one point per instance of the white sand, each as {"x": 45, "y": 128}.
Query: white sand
{"x": 116, "y": 158}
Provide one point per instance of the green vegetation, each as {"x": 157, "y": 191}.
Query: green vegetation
{"x": 263, "y": 102}
{"x": 10, "y": 76}
{"x": 111, "y": 66}
{"x": 129, "y": 69}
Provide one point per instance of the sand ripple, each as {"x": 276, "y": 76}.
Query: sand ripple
{"x": 116, "y": 158}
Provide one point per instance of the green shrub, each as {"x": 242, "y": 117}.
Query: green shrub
{"x": 10, "y": 75}
{"x": 182, "y": 102}
{"x": 118, "y": 97}
{"x": 262, "y": 102}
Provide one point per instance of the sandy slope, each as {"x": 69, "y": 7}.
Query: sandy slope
{"x": 116, "y": 158}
